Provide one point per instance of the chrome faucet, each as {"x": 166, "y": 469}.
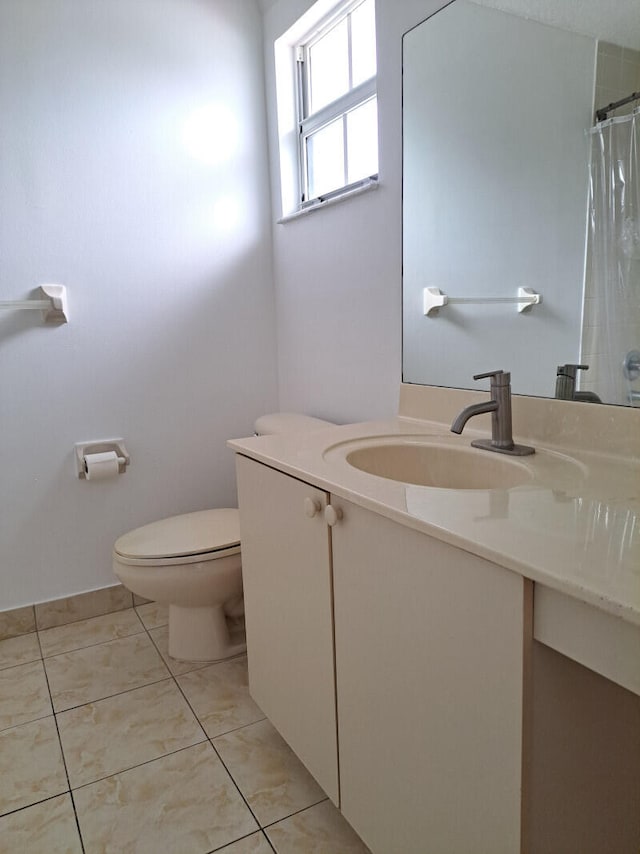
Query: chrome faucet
{"x": 566, "y": 384}
{"x": 499, "y": 406}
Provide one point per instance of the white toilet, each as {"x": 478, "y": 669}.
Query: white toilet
{"x": 192, "y": 564}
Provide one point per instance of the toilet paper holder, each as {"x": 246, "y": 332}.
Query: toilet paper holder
{"x": 100, "y": 447}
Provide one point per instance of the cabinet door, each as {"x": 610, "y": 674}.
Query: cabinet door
{"x": 429, "y": 666}
{"x": 286, "y": 572}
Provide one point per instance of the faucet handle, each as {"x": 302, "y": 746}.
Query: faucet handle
{"x": 497, "y": 377}
{"x": 570, "y": 370}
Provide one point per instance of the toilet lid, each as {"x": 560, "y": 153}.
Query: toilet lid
{"x": 180, "y": 536}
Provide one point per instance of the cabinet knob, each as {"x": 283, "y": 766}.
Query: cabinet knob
{"x": 311, "y": 507}
{"x": 332, "y": 515}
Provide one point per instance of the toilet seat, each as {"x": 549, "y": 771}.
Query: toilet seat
{"x": 189, "y": 538}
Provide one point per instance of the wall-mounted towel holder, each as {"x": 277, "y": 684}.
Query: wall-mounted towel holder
{"x": 54, "y": 307}
{"x": 434, "y": 299}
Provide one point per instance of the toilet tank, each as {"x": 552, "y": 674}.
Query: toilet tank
{"x": 288, "y": 422}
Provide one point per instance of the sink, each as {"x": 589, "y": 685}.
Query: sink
{"x": 441, "y": 466}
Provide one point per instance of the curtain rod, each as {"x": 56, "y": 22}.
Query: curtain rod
{"x": 601, "y": 114}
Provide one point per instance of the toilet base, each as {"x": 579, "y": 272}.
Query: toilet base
{"x": 201, "y": 634}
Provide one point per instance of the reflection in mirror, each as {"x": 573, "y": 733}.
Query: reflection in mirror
{"x": 510, "y": 184}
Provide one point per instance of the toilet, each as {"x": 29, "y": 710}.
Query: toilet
{"x": 192, "y": 563}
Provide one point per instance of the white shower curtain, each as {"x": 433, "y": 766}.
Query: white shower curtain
{"x": 612, "y": 305}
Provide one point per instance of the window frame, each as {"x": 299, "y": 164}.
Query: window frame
{"x": 309, "y": 123}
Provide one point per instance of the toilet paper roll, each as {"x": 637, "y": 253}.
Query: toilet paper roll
{"x": 101, "y": 466}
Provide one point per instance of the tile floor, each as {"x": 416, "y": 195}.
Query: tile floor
{"x": 109, "y": 745}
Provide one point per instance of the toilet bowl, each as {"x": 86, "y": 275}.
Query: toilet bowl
{"x": 192, "y": 563}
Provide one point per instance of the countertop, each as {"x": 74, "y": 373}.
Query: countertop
{"x": 574, "y": 528}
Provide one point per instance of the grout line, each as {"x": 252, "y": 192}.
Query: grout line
{"x": 91, "y": 645}
{"x": 34, "y": 804}
{"x": 296, "y": 812}
{"x": 270, "y": 843}
{"x": 198, "y": 665}
{"x": 236, "y": 728}
{"x": 26, "y": 723}
{"x": 139, "y": 765}
{"x": 233, "y": 780}
{"x": 21, "y": 664}
{"x": 228, "y": 845}
{"x": 109, "y": 696}
{"x": 76, "y": 619}
{"x": 166, "y": 663}
{"x": 64, "y": 759}
{"x": 205, "y": 738}
{"x": 231, "y": 777}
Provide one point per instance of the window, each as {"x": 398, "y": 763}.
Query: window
{"x": 337, "y": 116}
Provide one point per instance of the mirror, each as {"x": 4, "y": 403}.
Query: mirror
{"x": 518, "y": 264}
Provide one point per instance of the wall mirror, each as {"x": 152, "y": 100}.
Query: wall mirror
{"x": 521, "y": 209}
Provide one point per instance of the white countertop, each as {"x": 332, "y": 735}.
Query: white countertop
{"x": 574, "y": 528}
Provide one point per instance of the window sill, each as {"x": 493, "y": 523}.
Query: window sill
{"x": 364, "y": 187}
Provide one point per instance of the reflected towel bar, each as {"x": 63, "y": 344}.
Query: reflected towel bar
{"x": 54, "y": 307}
{"x": 434, "y": 299}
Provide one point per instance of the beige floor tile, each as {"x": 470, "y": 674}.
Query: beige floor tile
{"x": 268, "y": 773}
{"x": 31, "y": 767}
{"x": 96, "y": 672}
{"x": 318, "y": 830}
{"x": 111, "y": 735}
{"x": 58, "y": 612}
{"x": 24, "y": 695}
{"x": 19, "y": 650}
{"x": 183, "y": 803}
{"x": 153, "y": 614}
{"x": 17, "y": 621}
{"x": 119, "y": 624}
{"x": 47, "y": 827}
{"x": 177, "y": 666}
{"x": 254, "y": 844}
{"x": 219, "y": 695}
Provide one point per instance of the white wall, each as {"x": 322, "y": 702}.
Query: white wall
{"x": 338, "y": 270}
{"x": 166, "y": 255}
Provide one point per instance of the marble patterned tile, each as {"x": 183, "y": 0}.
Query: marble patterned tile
{"x": 119, "y": 624}
{"x": 153, "y": 614}
{"x": 317, "y": 830}
{"x": 219, "y": 695}
{"x": 139, "y": 600}
{"x": 24, "y": 695}
{"x": 96, "y": 672}
{"x": 111, "y": 735}
{"x": 267, "y": 772}
{"x": 31, "y": 767}
{"x": 19, "y": 650}
{"x": 17, "y": 621}
{"x": 58, "y": 612}
{"x": 160, "y": 637}
{"x": 185, "y": 802}
{"x": 254, "y": 844}
{"x": 46, "y": 827}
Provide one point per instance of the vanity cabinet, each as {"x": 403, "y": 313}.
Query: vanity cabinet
{"x": 431, "y": 644}
{"x": 430, "y": 655}
{"x": 286, "y": 570}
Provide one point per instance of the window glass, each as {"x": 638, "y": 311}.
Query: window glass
{"x": 325, "y": 159}
{"x": 362, "y": 141}
{"x": 329, "y": 67}
{"x": 363, "y": 42}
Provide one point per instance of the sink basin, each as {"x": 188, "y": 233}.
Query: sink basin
{"x": 440, "y": 466}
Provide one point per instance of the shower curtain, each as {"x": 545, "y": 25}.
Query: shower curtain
{"x": 611, "y": 327}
